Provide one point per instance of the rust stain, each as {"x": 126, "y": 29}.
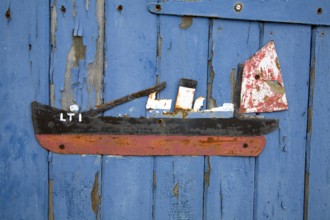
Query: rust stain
{"x": 277, "y": 63}
{"x": 186, "y": 22}
{"x": 50, "y": 200}
{"x": 95, "y": 195}
{"x": 176, "y": 190}
{"x": 275, "y": 86}
{"x": 79, "y": 49}
{"x": 178, "y": 111}
{"x": 95, "y": 69}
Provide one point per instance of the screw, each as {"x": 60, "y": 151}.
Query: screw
{"x": 238, "y": 7}
{"x": 158, "y": 7}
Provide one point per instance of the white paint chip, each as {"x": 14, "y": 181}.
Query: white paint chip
{"x": 152, "y": 103}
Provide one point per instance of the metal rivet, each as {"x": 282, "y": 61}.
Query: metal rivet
{"x": 238, "y": 7}
{"x": 319, "y": 11}
{"x": 158, "y": 7}
{"x": 61, "y": 146}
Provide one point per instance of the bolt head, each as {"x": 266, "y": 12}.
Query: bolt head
{"x": 238, "y": 7}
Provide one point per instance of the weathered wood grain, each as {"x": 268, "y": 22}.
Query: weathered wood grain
{"x": 182, "y": 52}
{"x": 76, "y": 73}
{"x": 279, "y": 189}
{"x": 130, "y": 66}
{"x": 318, "y": 156}
{"x": 24, "y": 59}
{"x": 230, "y": 185}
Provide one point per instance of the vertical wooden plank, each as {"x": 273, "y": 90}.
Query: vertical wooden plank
{"x": 130, "y": 66}
{"x": 280, "y": 168}
{"x": 77, "y": 37}
{"x": 75, "y": 187}
{"x": 230, "y": 186}
{"x": 183, "y": 52}
{"x": 24, "y": 58}
{"x": 318, "y": 169}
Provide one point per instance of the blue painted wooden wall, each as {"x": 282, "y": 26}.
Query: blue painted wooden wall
{"x": 87, "y": 52}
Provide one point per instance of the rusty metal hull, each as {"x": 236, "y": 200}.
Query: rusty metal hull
{"x": 149, "y": 136}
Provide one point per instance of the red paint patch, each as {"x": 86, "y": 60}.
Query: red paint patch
{"x": 262, "y": 87}
{"x": 152, "y": 145}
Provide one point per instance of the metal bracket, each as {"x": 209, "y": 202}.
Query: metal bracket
{"x": 316, "y": 12}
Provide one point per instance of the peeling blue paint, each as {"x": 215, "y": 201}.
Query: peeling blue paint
{"x": 135, "y": 48}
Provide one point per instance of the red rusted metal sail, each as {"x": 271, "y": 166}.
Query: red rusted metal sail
{"x": 262, "y": 88}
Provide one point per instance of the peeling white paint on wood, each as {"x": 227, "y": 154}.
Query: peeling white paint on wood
{"x": 185, "y": 98}
{"x": 153, "y": 103}
{"x": 53, "y": 24}
{"x": 199, "y": 102}
{"x": 95, "y": 69}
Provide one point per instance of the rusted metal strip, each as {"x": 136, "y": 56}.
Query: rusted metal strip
{"x": 109, "y": 105}
{"x": 152, "y": 145}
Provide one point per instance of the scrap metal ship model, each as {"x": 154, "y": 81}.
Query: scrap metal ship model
{"x": 185, "y": 131}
